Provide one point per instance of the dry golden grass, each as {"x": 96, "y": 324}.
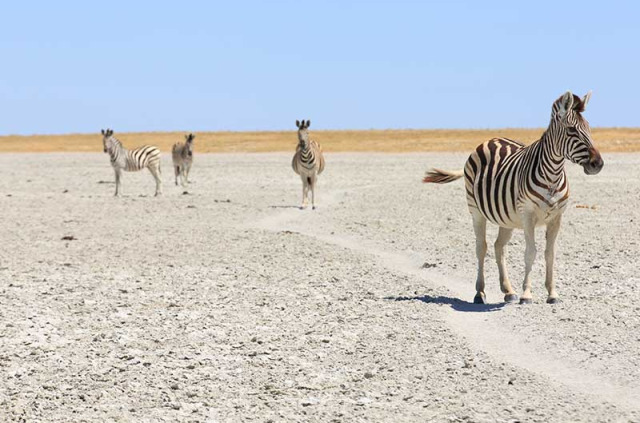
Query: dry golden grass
{"x": 606, "y": 139}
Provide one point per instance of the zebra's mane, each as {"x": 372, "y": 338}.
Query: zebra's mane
{"x": 116, "y": 142}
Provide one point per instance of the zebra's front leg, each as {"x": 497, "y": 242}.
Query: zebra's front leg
{"x": 480, "y": 229}
{"x": 553, "y": 228}
{"x": 313, "y": 192}
{"x": 529, "y": 256}
{"x": 177, "y": 172}
{"x": 187, "y": 170}
{"x": 504, "y": 235}
{"x": 118, "y": 177}
{"x": 305, "y": 192}
{"x": 183, "y": 177}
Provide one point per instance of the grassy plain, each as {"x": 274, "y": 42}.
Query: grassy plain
{"x": 409, "y": 140}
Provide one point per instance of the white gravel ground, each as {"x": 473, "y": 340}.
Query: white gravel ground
{"x": 230, "y": 304}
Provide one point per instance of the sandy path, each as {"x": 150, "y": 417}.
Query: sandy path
{"x": 229, "y": 304}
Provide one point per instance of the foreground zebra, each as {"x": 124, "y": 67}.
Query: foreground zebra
{"x": 308, "y": 162}
{"x": 515, "y": 186}
{"x": 182, "y": 155}
{"x": 131, "y": 160}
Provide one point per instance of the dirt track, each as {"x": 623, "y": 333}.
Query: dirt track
{"x": 230, "y": 304}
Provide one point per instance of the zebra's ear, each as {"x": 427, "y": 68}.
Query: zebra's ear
{"x": 565, "y": 103}
{"x": 102, "y": 130}
{"x": 308, "y": 123}
{"x": 585, "y": 100}
{"x": 297, "y": 123}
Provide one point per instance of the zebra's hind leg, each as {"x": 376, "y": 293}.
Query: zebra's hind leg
{"x": 529, "y": 256}
{"x": 480, "y": 229}
{"x": 553, "y": 228}
{"x": 155, "y": 171}
{"x": 177, "y": 172}
{"x": 504, "y": 235}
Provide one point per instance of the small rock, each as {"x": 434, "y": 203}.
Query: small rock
{"x": 310, "y": 401}
{"x": 363, "y": 401}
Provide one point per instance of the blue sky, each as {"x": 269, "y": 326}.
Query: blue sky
{"x": 71, "y": 67}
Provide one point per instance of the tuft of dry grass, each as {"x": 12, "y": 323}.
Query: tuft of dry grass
{"x": 388, "y": 141}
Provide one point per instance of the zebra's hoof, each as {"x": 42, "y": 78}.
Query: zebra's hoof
{"x": 313, "y": 208}
{"x": 551, "y": 300}
{"x": 526, "y": 301}
{"x": 510, "y": 298}
{"x": 479, "y": 299}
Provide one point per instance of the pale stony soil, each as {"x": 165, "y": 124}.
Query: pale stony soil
{"x": 230, "y": 304}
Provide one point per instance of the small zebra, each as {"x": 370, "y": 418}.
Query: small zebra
{"x": 182, "y": 155}
{"x": 131, "y": 160}
{"x": 308, "y": 162}
{"x": 514, "y": 186}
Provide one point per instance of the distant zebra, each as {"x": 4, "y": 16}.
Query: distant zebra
{"x": 131, "y": 160}
{"x": 182, "y": 155}
{"x": 514, "y": 186}
{"x": 308, "y": 162}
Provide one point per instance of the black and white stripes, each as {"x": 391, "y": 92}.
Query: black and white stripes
{"x": 308, "y": 162}
{"x": 131, "y": 160}
{"x": 514, "y": 186}
{"x": 182, "y": 155}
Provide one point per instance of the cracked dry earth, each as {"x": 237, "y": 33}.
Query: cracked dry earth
{"x": 230, "y": 304}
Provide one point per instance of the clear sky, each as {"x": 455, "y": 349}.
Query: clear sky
{"x": 250, "y": 65}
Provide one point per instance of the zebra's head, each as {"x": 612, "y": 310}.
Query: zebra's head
{"x": 189, "y": 144}
{"x": 303, "y": 132}
{"x": 106, "y": 139}
{"x": 574, "y": 133}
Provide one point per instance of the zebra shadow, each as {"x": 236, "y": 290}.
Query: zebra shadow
{"x": 455, "y": 303}
{"x": 284, "y": 207}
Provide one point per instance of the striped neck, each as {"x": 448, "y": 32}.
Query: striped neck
{"x": 551, "y": 160}
{"x": 114, "y": 147}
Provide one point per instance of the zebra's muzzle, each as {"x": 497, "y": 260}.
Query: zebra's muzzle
{"x": 595, "y": 162}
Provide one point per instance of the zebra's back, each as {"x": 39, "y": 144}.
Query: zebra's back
{"x": 141, "y": 157}
{"x": 492, "y": 180}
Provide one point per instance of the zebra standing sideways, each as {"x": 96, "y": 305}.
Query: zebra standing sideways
{"x": 131, "y": 160}
{"x": 182, "y": 155}
{"x": 308, "y": 162}
{"x": 514, "y": 186}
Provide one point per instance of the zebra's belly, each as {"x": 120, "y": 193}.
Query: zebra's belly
{"x": 542, "y": 212}
{"x": 512, "y": 221}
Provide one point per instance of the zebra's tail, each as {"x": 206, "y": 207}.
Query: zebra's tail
{"x": 438, "y": 176}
